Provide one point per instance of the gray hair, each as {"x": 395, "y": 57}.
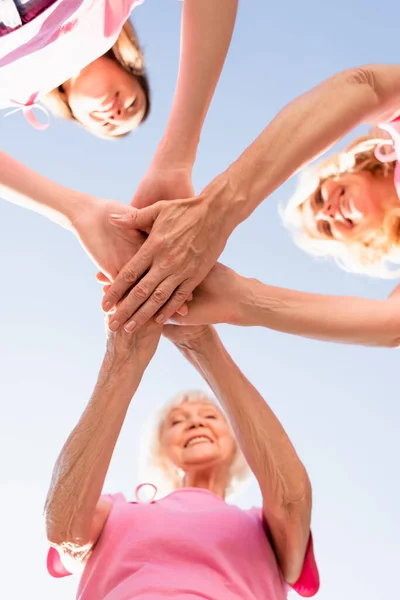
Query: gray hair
{"x": 155, "y": 468}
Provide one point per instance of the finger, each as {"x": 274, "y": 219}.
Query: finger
{"x": 101, "y": 278}
{"x": 183, "y": 310}
{"x": 136, "y": 218}
{"x": 159, "y": 296}
{"x": 106, "y": 288}
{"x": 128, "y": 277}
{"x": 176, "y": 300}
{"x": 138, "y": 295}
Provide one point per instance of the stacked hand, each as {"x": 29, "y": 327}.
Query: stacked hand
{"x": 152, "y": 258}
{"x": 185, "y": 239}
{"x": 218, "y": 299}
{"x": 136, "y": 349}
{"x": 164, "y": 182}
{"x": 109, "y": 247}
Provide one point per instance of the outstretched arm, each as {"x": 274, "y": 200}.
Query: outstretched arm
{"x": 83, "y": 214}
{"x": 22, "y": 186}
{"x": 206, "y": 34}
{"x": 283, "y": 480}
{"x": 195, "y": 231}
{"x": 309, "y": 126}
{"x": 74, "y": 515}
{"x": 226, "y": 297}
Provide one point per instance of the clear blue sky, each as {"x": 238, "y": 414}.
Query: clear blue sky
{"x": 339, "y": 404}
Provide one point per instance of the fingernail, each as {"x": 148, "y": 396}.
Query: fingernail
{"x": 113, "y": 326}
{"x": 184, "y": 311}
{"x": 107, "y": 306}
{"x": 129, "y": 327}
{"x": 160, "y": 319}
{"x": 116, "y": 216}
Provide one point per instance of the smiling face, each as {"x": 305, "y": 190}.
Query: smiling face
{"x": 349, "y": 207}
{"x": 105, "y": 98}
{"x": 196, "y": 436}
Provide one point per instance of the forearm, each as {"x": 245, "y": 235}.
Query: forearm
{"x": 341, "y": 319}
{"x": 24, "y": 187}
{"x": 82, "y": 465}
{"x": 307, "y": 127}
{"x": 263, "y": 441}
{"x": 207, "y": 28}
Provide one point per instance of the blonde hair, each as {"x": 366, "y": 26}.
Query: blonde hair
{"x": 156, "y": 468}
{"x": 375, "y": 255}
{"x": 127, "y": 52}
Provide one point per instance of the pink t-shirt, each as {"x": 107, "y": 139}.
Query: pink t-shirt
{"x": 190, "y": 544}
{"x": 57, "y": 44}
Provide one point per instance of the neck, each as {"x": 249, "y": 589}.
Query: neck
{"x": 211, "y": 480}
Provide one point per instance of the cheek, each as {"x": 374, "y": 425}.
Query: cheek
{"x": 94, "y": 83}
{"x": 170, "y": 446}
{"x": 227, "y": 443}
{"x": 368, "y": 200}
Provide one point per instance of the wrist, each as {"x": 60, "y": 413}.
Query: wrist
{"x": 120, "y": 366}
{"x": 224, "y": 200}
{"x": 253, "y": 304}
{"x": 245, "y": 192}
{"x": 75, "y": 204}
{"x": 174, "y": 153}
{"x": 201, "y": 343}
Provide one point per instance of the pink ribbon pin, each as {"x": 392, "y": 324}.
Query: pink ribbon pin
{"x": 28, "y": 112}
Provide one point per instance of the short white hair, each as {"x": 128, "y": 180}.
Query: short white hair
{"x": 380, "y": 256}
{"x": 156, "y": 468}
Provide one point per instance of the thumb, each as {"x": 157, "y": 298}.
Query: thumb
{"x": 136, "y": 218}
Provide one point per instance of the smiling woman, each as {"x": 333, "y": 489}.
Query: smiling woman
{"x": 190, "y": 543}
{"x": 348, "y": 206}
{"x": 170, "y": 426}
{"x": 110, "y": 96}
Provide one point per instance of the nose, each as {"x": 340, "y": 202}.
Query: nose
{"x": 117, "y": 115}
{"x": 196, "y": 422}
{"x": 114, "y": 116}
{"x": 328, "y": 210}
{"x": 330, "y": 196}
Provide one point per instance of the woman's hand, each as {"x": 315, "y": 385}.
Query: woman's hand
{"x": 124, "y": 348}
{"x": 109, "y": 247}
{"x": 164, "y": 182}
{"x": 185, "y": 240}
{"x": 220, "y": 298}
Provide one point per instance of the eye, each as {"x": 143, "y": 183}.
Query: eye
{"x": 132, "y": 104}
{"x": 326, "y": 228}
{"x": 211, "y": 417}
{"x": 175, "y": 422}
{"x": 318, "y": 199}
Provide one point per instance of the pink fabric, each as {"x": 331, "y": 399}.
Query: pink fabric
{"x": 58, "y": 43}
{"x": 308, "y": 583}
{"x": 394, "y": 129}
{"x": 190, "y": 544}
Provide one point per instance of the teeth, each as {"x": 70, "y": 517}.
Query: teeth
{"x": 198, "y": 440}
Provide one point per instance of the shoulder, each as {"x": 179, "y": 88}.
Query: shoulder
{"x": 64, "y": 561}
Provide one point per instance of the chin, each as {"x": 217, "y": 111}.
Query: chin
{"x": 202, "y": 461}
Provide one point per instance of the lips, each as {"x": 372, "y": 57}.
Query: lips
{"x": 198, "y": 439}
{"x": 345, "y": 212}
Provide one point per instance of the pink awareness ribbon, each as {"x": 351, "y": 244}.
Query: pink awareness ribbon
{"x": 28, "y": 112}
